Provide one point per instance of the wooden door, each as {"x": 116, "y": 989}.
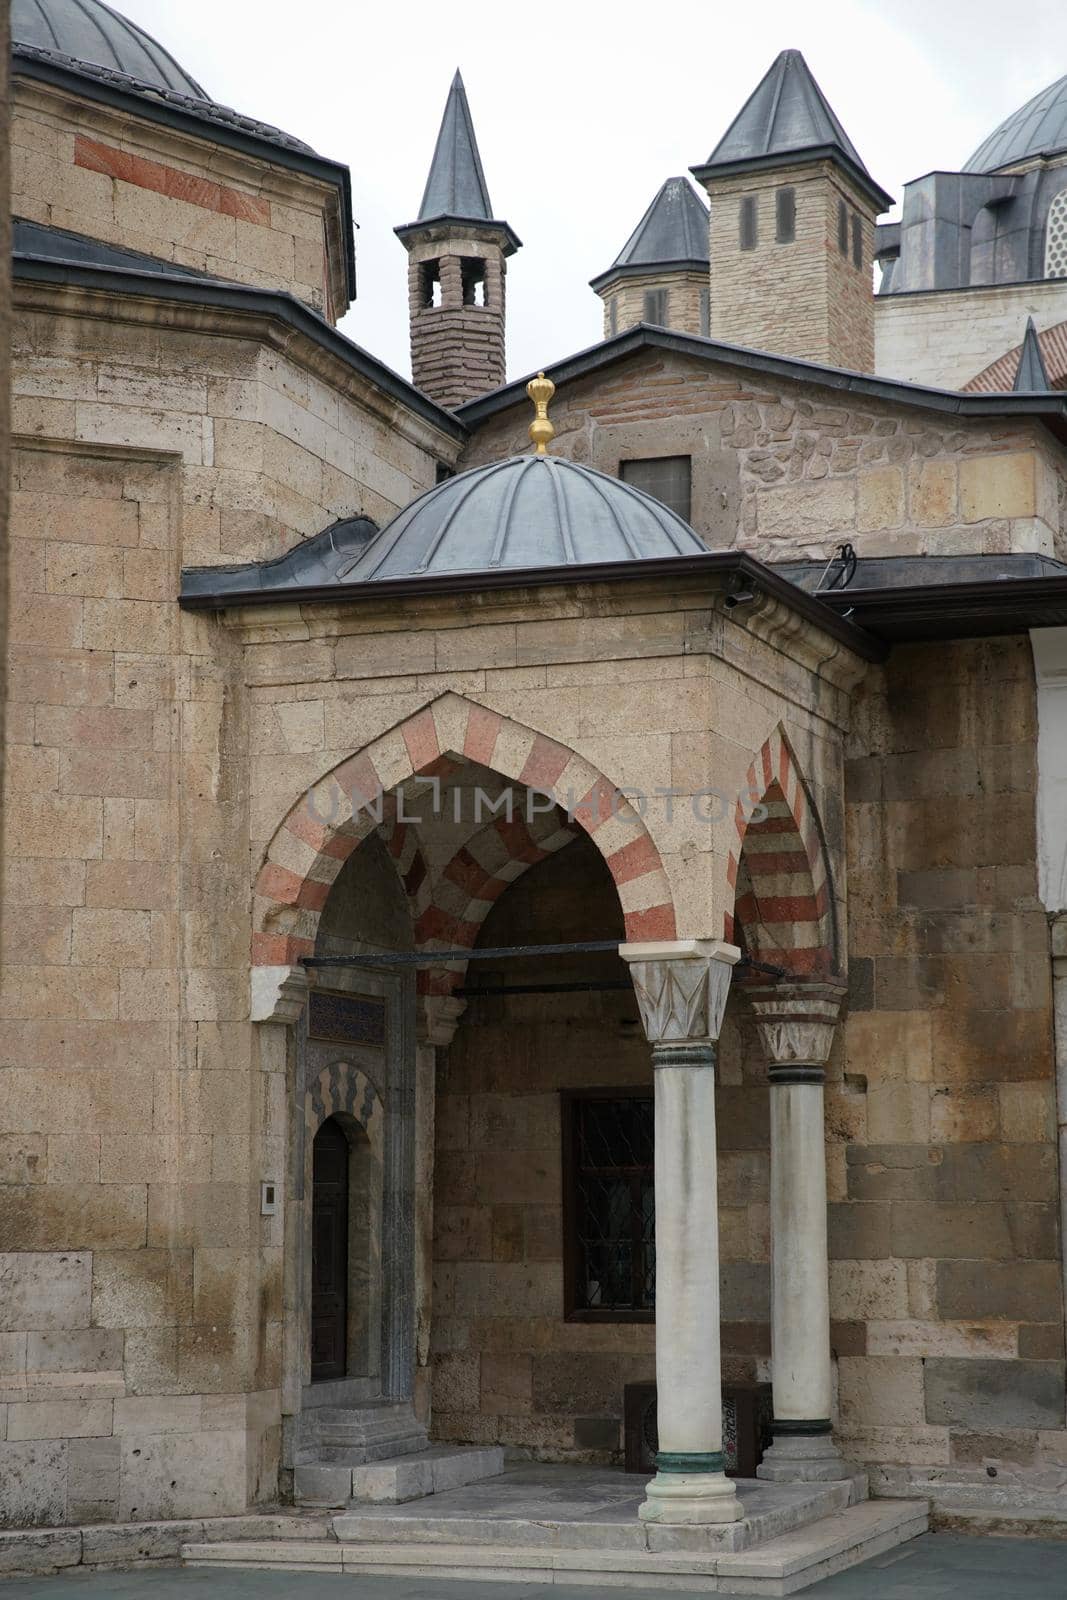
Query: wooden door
{"x": 329, "y": 1253}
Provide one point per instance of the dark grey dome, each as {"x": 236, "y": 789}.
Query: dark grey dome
{"x": 86, "y": 30}
{"x": 527, "y": 511}
{"x": 1037, "y": 128}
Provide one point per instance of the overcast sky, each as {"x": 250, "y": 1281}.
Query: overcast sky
{"x": 582, "y": 110}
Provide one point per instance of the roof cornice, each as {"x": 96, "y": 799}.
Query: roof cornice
{"x": 275, "y": 307}
{"x": 443, "y": 227}
{"x": 171, "y": 113}
{"x": 647, "y": 269}
{"x": 775, "y": 162}
{"x": 1050, "y": 409}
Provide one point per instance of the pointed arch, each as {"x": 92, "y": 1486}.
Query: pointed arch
{"x": 332, "y": 818}
{"x": 779, "y": 870}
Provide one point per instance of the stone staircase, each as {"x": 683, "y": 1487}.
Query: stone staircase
{"x": 377, "y": 1452}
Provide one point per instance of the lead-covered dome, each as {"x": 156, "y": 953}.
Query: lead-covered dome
{"x": 1037, "y": 128}
{"x": 87, "y": 31}
{"x": 526, "y": 512}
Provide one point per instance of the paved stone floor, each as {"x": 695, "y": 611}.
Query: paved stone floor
{"x": 936, "y": 1567}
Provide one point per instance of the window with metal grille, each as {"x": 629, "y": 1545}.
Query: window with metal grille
{"x": 1056, "y": 237}
{"x": 748, "y": 231}
{"x": 667, "y": 478}
{"x": 857, "y": 240}
{"x": 656, "y": 307}
{"x": 842, "y": 227}
{"x": 785, "y": 215}
{"x": 609, "y": 1217}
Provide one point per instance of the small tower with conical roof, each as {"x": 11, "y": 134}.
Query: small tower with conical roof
{"x": 661, "y": 273}
{"x": 456, "y": 268}
{"x": 793, "y": 211}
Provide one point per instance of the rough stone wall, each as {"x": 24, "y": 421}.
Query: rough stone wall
{"x": 457, "y": 350}
{"x": 946, "y": 337}
{"x": 803, "y": 298}
{"x": 946, "y": 1277}
{"x": 684, "y": 292}
{"x": 146, "y": 187}
{"x": 786, "y": 471}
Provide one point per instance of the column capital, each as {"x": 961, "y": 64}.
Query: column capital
{"x": 279, "y": 994}
{"x": 437, "y": 1017}
{"x": 796, "y": 1021}
{"x": 681, "y": 986}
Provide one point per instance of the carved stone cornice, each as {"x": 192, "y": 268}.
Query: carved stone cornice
{"x": 279, "y": 994}
{"x": 796, "y": 1021}
{"x": 681, "y": 986}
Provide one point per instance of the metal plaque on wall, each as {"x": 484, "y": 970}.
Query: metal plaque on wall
{"x": 345, "y": 1018}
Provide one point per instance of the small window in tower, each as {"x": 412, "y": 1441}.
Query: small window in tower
{"x": 747, "y": 225}
{"x": 613, "y": 315}
{"x": 475, "y": 292}
{"x": 705, "y": 313}
{"x": 655, "y": 307}
{"x": 785, "y": 215}
{"x": 667, "y": 478}
{"x": 842, "y": 227}
{"x": 857, "y": 240}
{"x": 431, "y": 283}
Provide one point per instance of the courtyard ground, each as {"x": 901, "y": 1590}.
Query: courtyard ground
{"x": 935, "y": 1567}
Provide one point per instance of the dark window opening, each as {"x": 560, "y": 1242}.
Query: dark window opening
{"x": 785, "y": 215}
{"x": 747, "y": 222}
{"x": 329, "y": 1252}
{"x": 613, "y": 314}
{"x": 609, "y": 1206}
{"x": 431, "y": 283}
{"x": 475, "y": 289}
{"x": 857, "y": 240}
{"x": 842, "y": 227}
{"x": 655, "y": 310}
{"x": 667, "y": 478}
{"x": 705, "y": 313}
{"x": 442, "y": 472}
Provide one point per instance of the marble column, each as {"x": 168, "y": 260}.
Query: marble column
{"x": 681, "y": 989}
{"x": 796, "y": 1026}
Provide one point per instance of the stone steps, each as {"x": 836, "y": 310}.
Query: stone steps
{"x": 781, "y": 1566}
{"x": 400, "y": 1477}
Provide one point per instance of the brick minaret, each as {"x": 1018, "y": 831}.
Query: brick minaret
{"x": 457, "y": 253}
{"x": 791, "y": 240}
{"x": 661, "y": 273}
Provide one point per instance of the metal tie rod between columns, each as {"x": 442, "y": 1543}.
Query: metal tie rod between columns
{"x": 433, "y": 958}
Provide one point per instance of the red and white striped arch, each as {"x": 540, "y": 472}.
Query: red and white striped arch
{"x": 328, "y": 822}
{"x": 778, "y": 871}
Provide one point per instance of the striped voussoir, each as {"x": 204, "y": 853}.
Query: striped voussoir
{"x": 777, "y": 868}
{"x": 336, "y": 815}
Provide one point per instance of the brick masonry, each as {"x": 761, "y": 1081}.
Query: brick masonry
{"x": 687, "y": 301}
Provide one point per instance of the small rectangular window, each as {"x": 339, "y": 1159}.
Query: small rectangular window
{"x": 613, "y": 315}
{"x": 785, "y": 215}
{"x": 609, "y": 1216}
{"x": 430, "y": 273}
{"x": 666, "y": 478}
{"x": 655, "y": 307}
{"x": 857, "y": 239}
{"x": 842, "y": 227}
{"x": 472, "y": 273}
{"x": 705, "y": 313}
{"x": 748, "y": 230}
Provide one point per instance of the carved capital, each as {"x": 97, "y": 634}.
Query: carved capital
{"x": 437, "y": 1017}
{"x": 681, "y": 986}
{"x": 796, "y": 1021}
{"x": 279, "y": 994}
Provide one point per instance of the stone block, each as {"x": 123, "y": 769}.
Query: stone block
{"x": 59, "y": 1419}
{"x": 153, "y": 1541}
{"x": 1028, "y": 1291}
{"x": 989, "y": 1396}
{"x": 904, "y": 1338}
{"x": 977, "y": 1230}
{"x": 142, "y": 1288}
{"x": 80, "y": 1215}
{"x": 880, "y": 1391}
{"x": 998, "y": 1172}
{"x": 33, "y": 1483}
{"x": 880, "y": 499}
{"x": 859, "y": 1231}
{"x": 48, "y": 1551}
{"x": 932, "y": 493}
{"x": 998, "y": 486}
{"x": 86, "y": 1351}
{"x": 45, "y": 1290}
{"x": 167, "y": 1474}
{"x": 93, "y": 1476}
{"x": 860, "y": 1290}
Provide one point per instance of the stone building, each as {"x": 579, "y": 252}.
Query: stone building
{"x": 488, "y": 930}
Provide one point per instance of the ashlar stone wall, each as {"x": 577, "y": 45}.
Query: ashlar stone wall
{"x": 787, "y": 470}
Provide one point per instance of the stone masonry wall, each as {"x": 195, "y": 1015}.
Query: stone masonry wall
{"x": 684, "y": 295}
{"x": 946, "y": 337}
{"x": 946, "y": 1277}
{"x": 137, "y": 184}
{"x": 784, "y": 470}
{"x": 803, "y": 298}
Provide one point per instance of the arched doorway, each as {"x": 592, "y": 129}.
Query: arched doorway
{"x": 329, "y": 1253}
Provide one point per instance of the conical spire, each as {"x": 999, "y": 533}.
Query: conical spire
{"x": 674, "y": 230}
{"x": 786, "y": 115}
{"x": 1032, "y": 374}
{"x": 456, "y": 186}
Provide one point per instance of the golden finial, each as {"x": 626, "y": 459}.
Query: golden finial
{"x": 541, "y": 390}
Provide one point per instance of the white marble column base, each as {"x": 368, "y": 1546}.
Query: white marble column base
{"x": 685, "y": 1497}
{"x": 804, "y": 1458}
